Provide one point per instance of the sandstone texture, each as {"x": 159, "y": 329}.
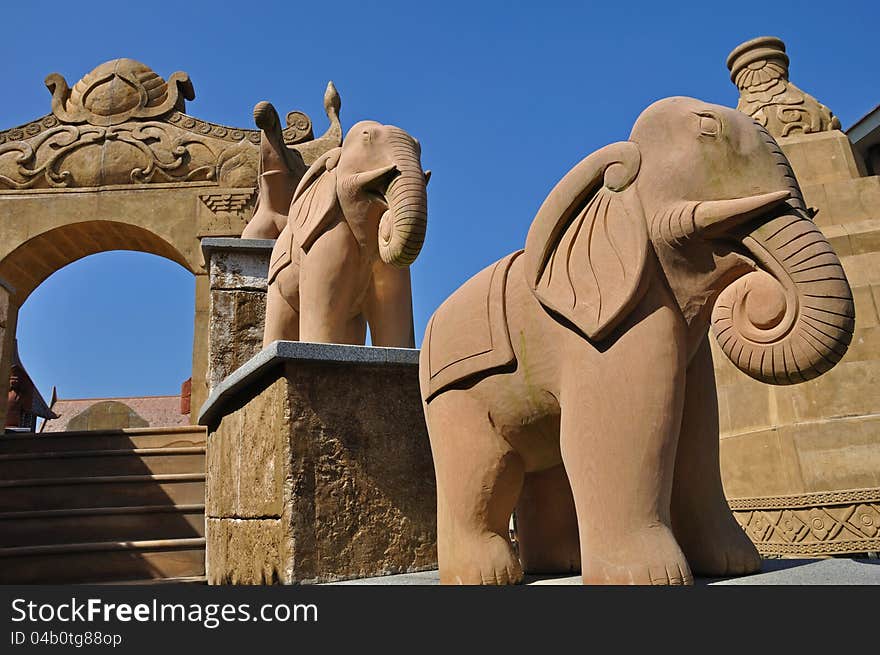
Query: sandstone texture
{"x": 800, "y": 464}
{"x": 237, "y": 279}
{"x": 607, "y": 450}
{"x": 323, "y": 468}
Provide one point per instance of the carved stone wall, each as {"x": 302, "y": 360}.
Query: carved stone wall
{"x": 809, "y": 525}
{"x": 801, "y": 463}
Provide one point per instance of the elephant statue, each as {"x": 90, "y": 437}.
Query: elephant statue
{"x": 572, "y": 381}
{"x": 346, "y": 235}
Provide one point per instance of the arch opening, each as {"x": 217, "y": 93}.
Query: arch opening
{"x": 32, "y": 262}
{"x": 114, "y": 326}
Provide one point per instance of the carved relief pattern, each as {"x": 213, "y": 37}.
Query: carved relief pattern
{"x": 825, "y": 523}
{"x": 759, "y": 68}
{"x": 116, "y": 91}
{"x": 28, "y": 130}
{"x": 156, "y": 154}
{"x": 226, "y": 202}
{"x": 299, "y": 128}
{"x": 123, "y": 124}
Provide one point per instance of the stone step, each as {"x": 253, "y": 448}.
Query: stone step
{"x": 103, "y": 440}
{"x": 70, "y": 463}
{"x": 102, "y": 561}
{"x": 105, "y": 491}
{"x": 66, "y": 526}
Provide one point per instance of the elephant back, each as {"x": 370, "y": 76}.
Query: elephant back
{"x": 468, "y": 335}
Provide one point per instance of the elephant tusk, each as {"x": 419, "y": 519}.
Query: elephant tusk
{"x": 375, "y": 177}
{"x": 722, "y": 215}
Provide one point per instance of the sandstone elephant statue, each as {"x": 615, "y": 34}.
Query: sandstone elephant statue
{"x": 572, "y": 381}
{"x": 348, "y": 233}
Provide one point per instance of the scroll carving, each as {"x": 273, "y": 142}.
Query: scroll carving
{"x": 759, "y": 68}
{"x": 149, "y": 151}
{"x": 124, "y": 124}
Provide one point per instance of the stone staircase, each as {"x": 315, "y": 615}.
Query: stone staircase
{"x": 102, "y": 506}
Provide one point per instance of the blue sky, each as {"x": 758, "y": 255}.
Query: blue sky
{"x": 504, "y": 96}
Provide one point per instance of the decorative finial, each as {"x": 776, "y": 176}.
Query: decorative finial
{"x": 759, "y": 68}
{"x": 116, "y": 91}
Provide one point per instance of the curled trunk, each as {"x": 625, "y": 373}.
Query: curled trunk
{"x": 794, "y": 319}
{"x": 402, "y": 228}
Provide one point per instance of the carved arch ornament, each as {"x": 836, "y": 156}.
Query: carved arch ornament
{"x": 123, "y": 124}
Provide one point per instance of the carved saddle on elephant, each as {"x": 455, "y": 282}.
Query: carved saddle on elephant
{"x": 468, "y": 335}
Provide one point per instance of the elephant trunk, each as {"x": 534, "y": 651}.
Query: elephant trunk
{"x": 402, "y": 227}
{"x": 793, "y": 320}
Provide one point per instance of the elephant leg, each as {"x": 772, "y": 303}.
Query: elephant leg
{"x": 333, "y": 283}
{"x": 479, "y": 477}
{"x": 388, "y": 307}
{"x": 618, "y": 432}
{"x": 282, "y": 306}
{"x": 712, "y": 540}
{"x": 546, "y": 524}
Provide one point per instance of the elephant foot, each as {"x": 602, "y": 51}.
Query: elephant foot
{"x": 650, "y": 556}
{"x": 485, "y": 560}
{"x": 718, "y": 546}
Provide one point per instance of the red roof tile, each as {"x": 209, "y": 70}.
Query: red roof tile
{"x": 157, "y": 411}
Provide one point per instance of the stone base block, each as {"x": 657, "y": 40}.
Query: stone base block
{"x": 319, "y": 467}
{"x": 821, "y": 157}
{"x": 245, "y": 551}
{"x": 237, "y": 270}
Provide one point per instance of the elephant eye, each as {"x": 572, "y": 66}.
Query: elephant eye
{"x": 366, "y": 136}
{"x": 709, "y": 125}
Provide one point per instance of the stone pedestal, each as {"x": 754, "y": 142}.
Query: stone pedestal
{"x": 237, "y": 271}
{"x": 319, "y": 467}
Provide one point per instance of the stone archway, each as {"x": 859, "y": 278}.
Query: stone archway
{"x": 118, "y": 165}
{"x": 35, "y": 259}
{"x": 29, "y": 264}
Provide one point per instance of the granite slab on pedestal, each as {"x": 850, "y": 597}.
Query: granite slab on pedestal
{"x": 318, "y": 467}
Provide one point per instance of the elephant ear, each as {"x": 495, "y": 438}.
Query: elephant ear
{"x": 587, "y": 248}
{"x": 315, "y": 200}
